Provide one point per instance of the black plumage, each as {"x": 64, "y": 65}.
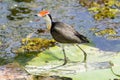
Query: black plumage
{"x": 64, "y": 33}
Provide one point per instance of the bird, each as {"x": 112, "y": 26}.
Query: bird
{"x": 63, "y": 33}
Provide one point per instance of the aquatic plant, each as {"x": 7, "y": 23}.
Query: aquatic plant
{"x": 102, "y": 8}
{"x": 35, "y": 44}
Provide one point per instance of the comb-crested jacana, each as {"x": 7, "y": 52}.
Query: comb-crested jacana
{"x": 63, "y": 33}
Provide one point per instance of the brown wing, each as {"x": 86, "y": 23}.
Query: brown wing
{"x": 64, "y": 33}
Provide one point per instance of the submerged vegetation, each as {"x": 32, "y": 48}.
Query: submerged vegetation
{"x": 18, "y": 13}
{"x": 107, "y": 31}
{"x": 35, "y": 44}
{"x": 102, "y": 8}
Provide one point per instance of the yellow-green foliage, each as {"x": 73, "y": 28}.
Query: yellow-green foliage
{"x": 102, "y": 8}
{"x": 94, "y": 29}
{"x": 106, "y": 12}
{"x": 35, "y": 44}
{"x": 107, "y": 31}
{"x": 115, "y": 37}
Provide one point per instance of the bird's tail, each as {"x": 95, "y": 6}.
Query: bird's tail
{"x": 83, "y": 38}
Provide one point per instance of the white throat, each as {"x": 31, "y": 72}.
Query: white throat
{"x": 48, "y": 22}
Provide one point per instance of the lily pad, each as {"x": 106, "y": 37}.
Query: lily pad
{"x": 49, "y": 63}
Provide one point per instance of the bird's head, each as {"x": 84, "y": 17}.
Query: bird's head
{"x": 43, "y": 13}
{"x": 46, "y": 15}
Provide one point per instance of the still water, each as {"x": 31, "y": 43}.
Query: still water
{"x": 17, "y": 20}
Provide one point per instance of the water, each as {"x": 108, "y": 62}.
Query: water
{"x": 17, "y": 20}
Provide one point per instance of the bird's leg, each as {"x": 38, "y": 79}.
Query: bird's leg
{"x": 65, "y": 58}
{"x": 85, "y": 54}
